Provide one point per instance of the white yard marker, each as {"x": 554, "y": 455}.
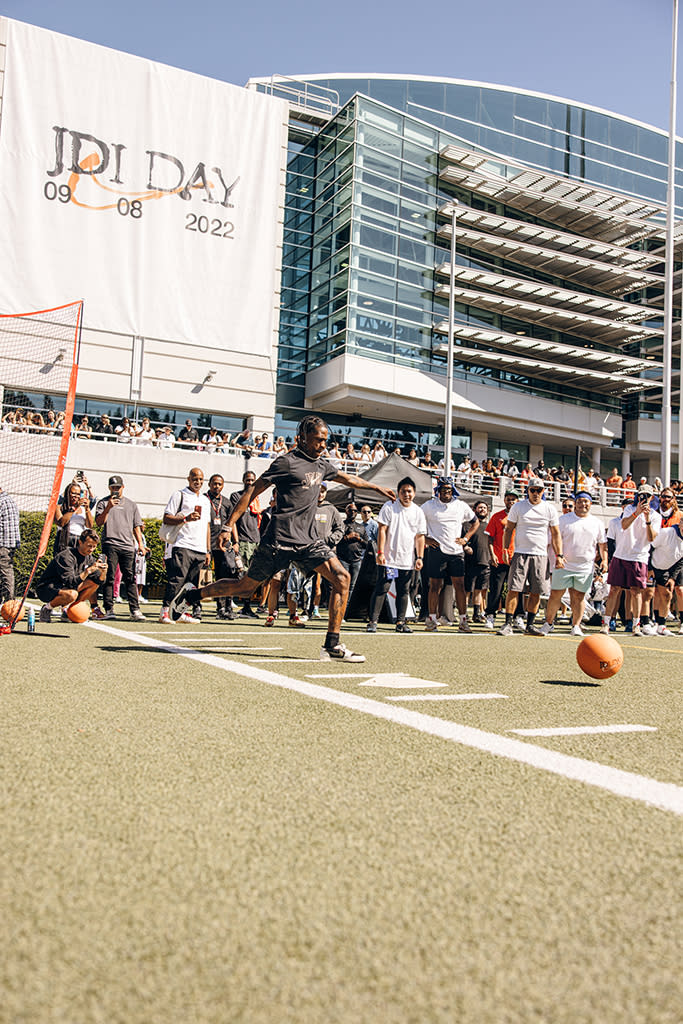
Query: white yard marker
{"x": 664, "y": 795}
{"x": 584, "y": 730}
{"x": 451, "y": 696}
{"x": 400, "y": 681}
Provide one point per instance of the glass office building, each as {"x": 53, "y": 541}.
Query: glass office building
{"x": 557, "y": 278}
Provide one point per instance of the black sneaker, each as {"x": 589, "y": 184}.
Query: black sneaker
{"x": 249, "y": 613}
{"x": 371, "y": 627}
{"x": 402, "y": 627}
{"x": 534, "y": 631}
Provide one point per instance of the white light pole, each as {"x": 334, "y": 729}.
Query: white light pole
{"x": 669, "y": 264}
{"x": 448, "y": 426}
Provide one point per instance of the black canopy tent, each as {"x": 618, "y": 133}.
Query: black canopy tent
{"x": 387, "y": 473}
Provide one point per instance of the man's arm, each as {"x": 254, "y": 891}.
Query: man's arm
{"x": 602, "y": 548}
{"x": 381, "y": 541}
{"x": 507, "y": 534}
{"x": 470, "y": 533}
{"x": 358, "y": 483}
{"x": 338, "y": 527}
{"x": 556, "y": 541}
{"x": 245, "y": 501}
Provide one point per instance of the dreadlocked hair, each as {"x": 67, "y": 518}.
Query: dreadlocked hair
{"x": 309, "y": 424}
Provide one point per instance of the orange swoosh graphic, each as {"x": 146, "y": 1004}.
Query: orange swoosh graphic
{"x": 91, "y": 161}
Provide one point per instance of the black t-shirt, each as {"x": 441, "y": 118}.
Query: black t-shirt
{"x": 480, "y": 546}
{"x": 220, "y": 513}
{"x": 350, "y": 549}
{"x": 296, "y": 478}
{"x": 64, "y": 570}
{"x": 188, "y": 434}
{"x": 248, "y": 523}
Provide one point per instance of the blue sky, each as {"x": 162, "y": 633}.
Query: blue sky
{"x": 614, "y": 54}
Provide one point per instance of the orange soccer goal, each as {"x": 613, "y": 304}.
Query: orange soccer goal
{"x": 38, "y": 355}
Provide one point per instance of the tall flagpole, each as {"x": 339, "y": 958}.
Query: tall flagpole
{"x": 448, "y": 426}
{"x": 669, "y": 264}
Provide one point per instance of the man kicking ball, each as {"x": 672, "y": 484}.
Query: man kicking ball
{"x": 291, "y": 535}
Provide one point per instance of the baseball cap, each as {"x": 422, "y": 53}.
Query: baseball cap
{"x": 536, "y": 482}
{"x": 115, "y": 481}
{"x": 645, "y": 489}
{"x": 512, "y": 493}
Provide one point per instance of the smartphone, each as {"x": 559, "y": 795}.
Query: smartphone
{"x": 198, "y": 509}
{"x": 102, "y": 559}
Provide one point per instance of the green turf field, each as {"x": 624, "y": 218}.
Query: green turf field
{"x": 206, "y": 824}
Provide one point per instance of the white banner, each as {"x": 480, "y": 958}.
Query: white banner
{"x": 153, "y": 194}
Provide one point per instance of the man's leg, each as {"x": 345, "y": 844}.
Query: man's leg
{"x": 435, "y": 588}
{"x": 127, "y": 564}
{"x": 553, "y": 606}
{"x": 336, "y": 575}
{"x": 461, "y": 603}
{"x": 402, "y": 589}
{"x": 382, "y": 586}
{"x": 6, "y": 574}
{"x": 108, "y": 589}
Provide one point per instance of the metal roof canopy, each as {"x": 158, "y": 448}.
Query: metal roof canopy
{"x": 551, "y": 238}
{"x": 581, "y": 356}
{"x": 605, "y": 383}
{"x": 602, "y": 276}
{"x": 572, "y": 204}
{"x": 527, "y": 288}
{"x": 592, "y": 328}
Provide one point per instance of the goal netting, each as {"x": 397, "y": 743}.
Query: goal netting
{"x": 38, "y": 375}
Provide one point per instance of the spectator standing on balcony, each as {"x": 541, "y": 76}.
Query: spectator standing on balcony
{"x": 124, "y": 431}
{"x": 541, "y": 472}
{"x": 512, "y": 470}
{"x": 188, "y": 436}
{"x": 378, "y": 453}
{"x": 105, "y": 428}
{"x": 265, "y": 448}
{"x": 84, "y": 430}
{"x": 334, "y": 455}
{"x": 613, "y": 484}
{"x": 166, "y": 438}
{"x": 144, "y": 435}
{"x": 280, "y": 448}
{"x": 629, "y": 485}
{"x": 120, "y": 521}
{"x": 50, "y": 421}
{"x": 244, "y": 443}
{"x": 9, "y": 542}
{"x": 350, "y": 455}
{"x": 427, "y": 462}
{"x": 211, "y": 441}
{"x": 413, "y": 458}
{"x": 441, "y": 466}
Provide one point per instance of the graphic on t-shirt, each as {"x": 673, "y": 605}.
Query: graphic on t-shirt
{"x": 311, "y": 480}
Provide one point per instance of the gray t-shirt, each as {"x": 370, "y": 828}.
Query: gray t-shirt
{"x": 120, "y": 523}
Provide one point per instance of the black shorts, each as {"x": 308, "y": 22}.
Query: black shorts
{"x": 674, "y": 572}
{"x": 268, "y": 559}
{"x": 477, "y": 575}
{"x": 49, "y": 591}
{"x": 440, "y": 566}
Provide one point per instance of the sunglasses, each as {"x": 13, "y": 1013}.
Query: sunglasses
{"x": 535, "y": 490}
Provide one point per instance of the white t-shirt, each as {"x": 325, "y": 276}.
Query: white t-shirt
{"x": 192, "y": 535}
{"x": 445, "y": 521}
{"x": 531, "y": 526}
{"x": 667, "y": 548}
{"x": 403, "y": 524}
{"x": 633, "y": 544}
{"x": 580, "y": 537}
{"x": 145, "y": 438}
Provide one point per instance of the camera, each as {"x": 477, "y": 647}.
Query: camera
{"x": 79, "y": 475}
{"x": 644, "y": 496}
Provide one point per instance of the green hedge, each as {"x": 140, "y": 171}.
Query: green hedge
{"x": 31, "y": 527}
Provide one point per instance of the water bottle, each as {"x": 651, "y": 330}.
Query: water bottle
{"x": 239, "y": 563}
{"x": 30, "y": 620}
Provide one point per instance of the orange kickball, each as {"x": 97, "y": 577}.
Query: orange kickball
{"x": 79, "y": 612}
{"x": 9, "y": 610}
{"x": 600, "y": 656}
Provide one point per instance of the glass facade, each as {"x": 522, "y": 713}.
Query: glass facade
{"x": 361, "y": 237}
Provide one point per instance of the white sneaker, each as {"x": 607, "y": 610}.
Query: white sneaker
{"x": 118, "y": 600}
{"x": 443, "y": 620}
{"x": 680, "y": 632}
{"x": 506, "y": 630}
{"x": 519, "y": 624}
{"x": 340, "y": 653}
{"x": 186, "y": 617}
{"x": 577, "y": 631}
{"x": 547, "y": 628}
{"x": 648, "y": 629}
{"x": 137, "y": 616}
{"x": 490, "y": 622}
{"x": 143, "y": 600}
{"x": 637, "y": 630}
{"x": 663, "y": 631}
{"x": 605, "y": 627}
{"x": 164, "y": 616}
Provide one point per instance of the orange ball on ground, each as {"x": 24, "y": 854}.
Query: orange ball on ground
{"x": 9, "y": 610}
{"x": 600, "y": 656}
{"x": 79, "y": 612}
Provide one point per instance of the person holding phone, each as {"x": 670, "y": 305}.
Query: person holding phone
{"x": 73, "y": 515}
{"x": 120, "y": 521}
{"x": 628, "y": 570}
{"x": 72, "y": 576}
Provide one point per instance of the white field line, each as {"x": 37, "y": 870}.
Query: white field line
{"x": 664, "y": 795}
{"x": 450, "y": 696}
{"x": 584, "y": 730}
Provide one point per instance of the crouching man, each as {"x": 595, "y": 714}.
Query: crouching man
{"x": 72, "y": 576}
